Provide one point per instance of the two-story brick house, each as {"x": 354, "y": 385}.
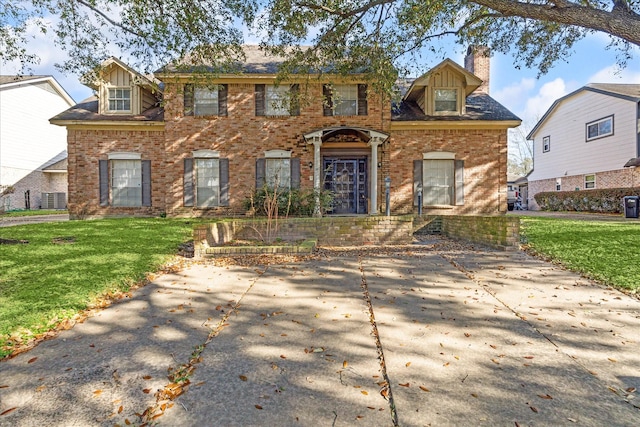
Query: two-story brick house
{"x": 200, "y": 148}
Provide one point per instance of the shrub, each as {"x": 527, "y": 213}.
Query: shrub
{"x": 292, "y": 202}
{"x": 602, "y": 200}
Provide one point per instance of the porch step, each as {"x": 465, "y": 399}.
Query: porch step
{"x": 427, "y": 225}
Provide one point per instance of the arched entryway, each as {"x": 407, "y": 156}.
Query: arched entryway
{"x": 346, "y": 163}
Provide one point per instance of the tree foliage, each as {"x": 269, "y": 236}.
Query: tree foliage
{"x": 381, "y": 37}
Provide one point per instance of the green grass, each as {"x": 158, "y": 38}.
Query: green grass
{"x": 43, "y": 283}
{"x": 32, "y": 213}
{"x": 606, "y": 251}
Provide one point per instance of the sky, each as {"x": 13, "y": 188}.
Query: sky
{"x": 520, "y": 90}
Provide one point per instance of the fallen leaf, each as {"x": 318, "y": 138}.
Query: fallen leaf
{"x": 545, "y": 396}
{"x": 120, "y": 409}
{"x": 97, "y": 392}
{"x": 40, "y": 388}
{"x": 474, "y": 395}
{"x": 404, "y": 385}
{"x": 364, "y": 392}
{"x": 423, "y": 388}
{"x": 345, "y": 364}
{"x": 534, "y": 409}
{"x": 407, "y": 364}
{"x": 243, "y": 378}
{"x": 127, "y": 422}
{"x": 612, "y": 360}
{"x": 528, "y": 357}
{"x": 146, "y": 391}
{"x": 359, "y": 417}
{"x": 258, "y": 407}
{"x": 371, "y": 407}
{"x": 282, "y": 356}
{"x": 146, "y": 377}
{"x": 4, "y": 386}
{"x": 467, "y": 334}
{"x": 8, "y": 410}
{"x": 629, "y": 390}
{"x": 33, "y": 359}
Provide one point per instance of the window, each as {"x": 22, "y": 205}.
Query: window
{"x": 345, "y": 100}
{"x": 278, "y": 169}
{"x": 206, "y": 180}
{"x": 590, "y": 181}
{"x": 274, "y": 100}
{"x": 558, "y": 184}
{"x": 446, "y": 100}
{"x": 441, "y": 179}
{"x": 124, "y": 180}
{"x": 546, "y": 144}
{"x": 205, "y": 101}
{"x": 207, "y": 172}
{"x": 277, "y": 100}
{"x": 126, "y": 183}
{"x": 120, "y": 99}
{"x": 600, "y": 128}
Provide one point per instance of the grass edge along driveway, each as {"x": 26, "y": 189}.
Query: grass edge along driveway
{"x": 67, "y": 267}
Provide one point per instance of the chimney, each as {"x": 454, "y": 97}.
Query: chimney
{"x": 477, "y": 62}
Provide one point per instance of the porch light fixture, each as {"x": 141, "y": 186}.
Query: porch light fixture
{"x": 310, "y": 165}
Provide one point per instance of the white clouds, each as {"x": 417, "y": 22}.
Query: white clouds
{"x": 613, "y": 74}
{"x": 514, "y": 93}
{"x": 538, "y": 104}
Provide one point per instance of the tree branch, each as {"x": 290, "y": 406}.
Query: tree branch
{"x": 109, "y": 20}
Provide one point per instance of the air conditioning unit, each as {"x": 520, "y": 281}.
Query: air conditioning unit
{"x": 54, "y": 201}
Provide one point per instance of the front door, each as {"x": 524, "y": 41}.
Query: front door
{"x": 347, "y": 180}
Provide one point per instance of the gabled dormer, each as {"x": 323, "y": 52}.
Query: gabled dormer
{"x": 442, "y": 91}
{"x": 123, "y": 91}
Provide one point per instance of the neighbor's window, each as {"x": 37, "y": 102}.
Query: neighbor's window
{"x": 277, "y": 100}
{"x": 590, "y": 181}
{"x": 558, "y": 184}
{"x": 205, "y": 101}
{"x": 126, "y": 183}
{"x": 600, "y": 128}
{"x": 438, "y": 182}
{"x": 207, "y": 176}
{"x": 120, "y": 99}
{"x": 546, "y": 144}
{"x": 446, "y": 100}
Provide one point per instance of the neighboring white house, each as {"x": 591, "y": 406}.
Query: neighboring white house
{"x": 588, "y": 139}
{"x": 32, "y": 151}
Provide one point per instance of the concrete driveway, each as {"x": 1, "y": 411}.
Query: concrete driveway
{"x": 34, "y": 219}
{"x": 439, "y": 334}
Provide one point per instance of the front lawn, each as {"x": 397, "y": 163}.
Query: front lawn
{"x": 67, "y": 266}
{"x": 602, "y": 250}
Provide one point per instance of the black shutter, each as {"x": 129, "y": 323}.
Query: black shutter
{"x": 146, "y": 182}
{"x": 260, "y": 173}
{"x": 103, "y": 172}
{"x": 188, "y": 193}
{"x": 327, "y": 101}
{"x": 362, "y": 100}
{"x": 294, "y": 107}
{"x": 260, "y": 100}
{"x": 224, "y": 182}
{"x": 188, "y": 100}
{"x": 459, "y": 173}
{"x": 417, "y": 181}
{"x": 295, "y": 173}
{"x": 222, "y": 100}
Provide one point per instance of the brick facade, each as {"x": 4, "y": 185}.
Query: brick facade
{"x": 241, "y": 137}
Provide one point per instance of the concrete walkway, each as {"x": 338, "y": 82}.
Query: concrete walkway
{"x": 467, "y": 337}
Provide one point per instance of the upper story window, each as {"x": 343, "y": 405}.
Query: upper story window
{"x": 546, "y": 144}
{"x": 281, "y": 100}
{"x": 345, "y": 100}
{"x": 446, "y": 100}
{"x": 204, "y": 101}
{"x": 120, "y": 99}
{"x": 600, "y": 128}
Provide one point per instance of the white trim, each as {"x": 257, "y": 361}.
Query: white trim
{"x": 439, "y": 155}
{"x": 124, "y": 155}
{"x": 206, "y": 154}
{"x": 277, "y": 154}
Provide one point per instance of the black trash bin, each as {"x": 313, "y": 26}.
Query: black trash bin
{"x": 631, "y": 206}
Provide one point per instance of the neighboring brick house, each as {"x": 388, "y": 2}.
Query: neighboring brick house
{"x": 32, "y": 151}
{"x": 202, "y": 149}
{"x": 587, "y": 139}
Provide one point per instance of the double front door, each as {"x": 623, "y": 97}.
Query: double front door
{"x": 346, "y": 178}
